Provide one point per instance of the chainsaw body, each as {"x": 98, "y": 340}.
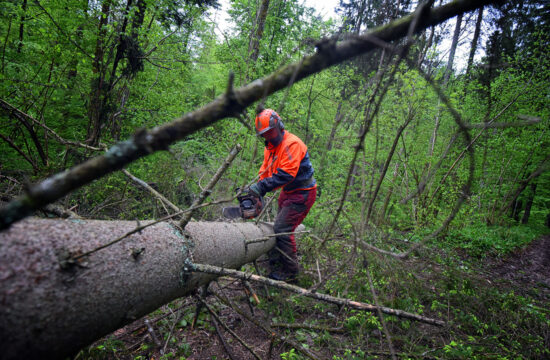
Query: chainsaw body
{"x": 250, "y": 206}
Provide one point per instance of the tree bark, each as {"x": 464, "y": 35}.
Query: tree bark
{"x": 254, "y": 46}
{"x": 529, "y": 204}
{"x": 475, "y": 40}
{"x": 256, "y": 35}
{"x": 22, "y": 26}
{"x": 96, "y": 112}
{"x": 543, "y": 166}
{"x": 51, "y": 309}
{"x": 452, "y": 52}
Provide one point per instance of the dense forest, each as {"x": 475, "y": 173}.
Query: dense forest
{"x": 430, "y": 149}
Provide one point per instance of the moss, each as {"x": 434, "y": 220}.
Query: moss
{"x": 120, "y": 150}
{"x": 15, "y": 210}
{"x": 186, "y": 249}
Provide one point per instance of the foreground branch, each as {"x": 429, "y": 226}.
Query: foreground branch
{"x": 215, "y": 270}
{"x": 145, "y": 142}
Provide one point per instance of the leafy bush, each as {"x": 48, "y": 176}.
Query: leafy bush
{"x": 480, "y": 240}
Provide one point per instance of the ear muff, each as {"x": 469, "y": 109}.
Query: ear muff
{"x": 281, "y": 125}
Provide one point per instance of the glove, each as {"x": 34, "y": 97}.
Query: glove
{"x": 255, "y": 190}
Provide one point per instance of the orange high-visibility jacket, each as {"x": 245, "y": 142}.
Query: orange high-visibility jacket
{"x": 286, "y": 165}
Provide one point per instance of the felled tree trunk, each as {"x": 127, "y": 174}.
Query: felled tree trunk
{"x": 51, "y": 309}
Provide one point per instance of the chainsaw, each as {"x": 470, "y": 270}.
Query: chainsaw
{"x": 250, "y": 206}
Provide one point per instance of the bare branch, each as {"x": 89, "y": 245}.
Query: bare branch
{"x": 503, "y": 125}
{"x": 309, "y": 327}
{"x": 209, "y": 269}
{"x": 61, "y": 212}
{"x": 217, "y": 319}
{"x": 8, "y": 107}
{"x": 157, "y": 45}
{"x": 19, "y": 151}
{"x": 268, "y": 329}
{"x": 155, "y": 193}
{"x": 120, "y": 238}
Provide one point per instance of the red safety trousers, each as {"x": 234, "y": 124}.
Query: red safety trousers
{"x": 293, "y": 208}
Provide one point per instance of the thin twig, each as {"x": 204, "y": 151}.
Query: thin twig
{"x": 152, "y": 334}
{"x": 155, "y": 193}
{"x": 224, "y": 343}
{"x": 156, "y": 46}
{"x": 177, "y": 320}
{"x": 120, "y": 238}
{"x": 466, "y": 188}
{"x": 251, "y": 291}
{"x": 264, "y": 209}
{"x": 210, "y": 269}
{"x": 380, "y": 316}
{"x": 309, "y": 327}
{"x": 63, "y": 32}
{"x": 269, "y": 236}
{"x": 216, "y": 317}
{"x": 8, "y": 107}
{"x": 267, "y": 328}
{"x": 259, "y": 273}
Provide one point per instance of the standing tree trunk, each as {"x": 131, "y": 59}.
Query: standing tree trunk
{"x": 448, "y": 72}
{"x": 310, "y": 101}
{"x": 22, "y": 26}
{"x": 475, "y": 40}
{"x": 257, "y": 33}
{"x": 529, "y": 203}
{"x": 447, "y": 75}
{"x": 96, "y": 112}
{"x": 452, "y": 52}
{"x": 543, "y": 166}
{"x": 52, "y": 307}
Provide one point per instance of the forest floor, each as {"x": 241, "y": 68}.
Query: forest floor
{"x": 526, "y": 272}
{"x": 525, "y": 269}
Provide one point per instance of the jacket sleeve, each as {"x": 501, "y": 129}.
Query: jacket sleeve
{"x": 287, "y": 168}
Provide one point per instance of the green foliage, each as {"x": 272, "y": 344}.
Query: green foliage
{"x": 481, "y": 240}
{"x": 107, "y": 349}
{"x": 291, "y": 355}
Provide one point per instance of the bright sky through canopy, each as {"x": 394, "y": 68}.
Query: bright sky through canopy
{"x": 324, "y": 7}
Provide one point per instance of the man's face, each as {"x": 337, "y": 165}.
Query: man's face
{"x": 271, "y": 134}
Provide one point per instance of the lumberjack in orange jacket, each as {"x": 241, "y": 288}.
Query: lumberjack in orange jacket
{"x": 286, "y": 165}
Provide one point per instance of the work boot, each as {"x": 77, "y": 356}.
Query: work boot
{"x": 274, "y": 260}
{"x": 289, "y": 263}
{"x": 283, "y": 276}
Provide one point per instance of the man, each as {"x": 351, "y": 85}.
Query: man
{"x": 286, "y": 165}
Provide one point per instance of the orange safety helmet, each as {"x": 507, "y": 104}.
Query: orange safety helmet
{"x": 266, "y": 120}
